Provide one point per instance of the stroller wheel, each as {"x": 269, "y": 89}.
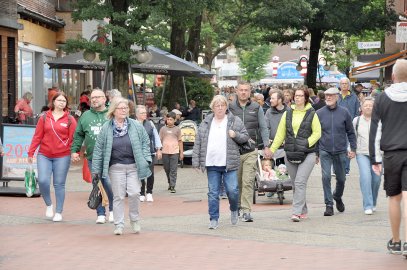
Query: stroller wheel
{"x": 281, "y": 197}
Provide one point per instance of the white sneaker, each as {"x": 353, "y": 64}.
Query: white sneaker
{"x": 57, "y": 217}
{"x": 49, "y": 213}
{"x": 142, "y": 198}
{"x": 101, "y": 220}
{"x": 374, "y": 209}
{"x": 111, "y": 217}
{"x": 150, "y": 197}
{"x": 135, "y": 225}
{"x": 368, "y": 211}
{"x": 118, "y": 230}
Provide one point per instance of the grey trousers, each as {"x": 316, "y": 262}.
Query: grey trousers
{"x": 124, "y": 180}
{"x": 170, "y": 164}
{"x": 299, "y": 174}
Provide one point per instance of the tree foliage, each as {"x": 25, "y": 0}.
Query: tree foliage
{"x": 252, "y": 62}
{"x": 290, "y": 20}
{"x": 125, "y": 19}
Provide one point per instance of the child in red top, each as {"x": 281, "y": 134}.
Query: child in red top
{"x": 53, "y": 135}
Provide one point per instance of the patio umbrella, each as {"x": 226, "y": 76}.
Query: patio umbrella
{"x": 162, "y": 62}
{"x": 75, "y": 61}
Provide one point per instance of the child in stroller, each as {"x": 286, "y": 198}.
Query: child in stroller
{"x": 272, "y": 181}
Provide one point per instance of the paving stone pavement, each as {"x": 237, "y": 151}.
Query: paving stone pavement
{"x": 175, "y": 234}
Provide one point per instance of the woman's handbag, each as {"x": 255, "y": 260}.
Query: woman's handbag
{"x": 30, "y": 181}
{"x": 95, "y": 196}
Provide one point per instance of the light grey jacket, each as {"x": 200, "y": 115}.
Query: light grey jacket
{"x": 140, "y": 144}
{"x": 232, "y": 148}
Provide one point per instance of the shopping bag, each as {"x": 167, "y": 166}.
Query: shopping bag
{"x": 86, "y": 175}
{"x": 95, "y": 196}
{"x": 30, "y": 182}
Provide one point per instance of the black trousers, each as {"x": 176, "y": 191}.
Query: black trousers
{"x": 150, "y": 180}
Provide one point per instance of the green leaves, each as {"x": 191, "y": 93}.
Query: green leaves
{"x": 252, "y": 62}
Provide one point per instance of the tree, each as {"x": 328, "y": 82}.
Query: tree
{"x": 222, "y": 25}
{"x": 341, "y": 50}
{"x": 125, "y": 19}
{"x": 290, "y": 20}
{"x": 252, "y": 62}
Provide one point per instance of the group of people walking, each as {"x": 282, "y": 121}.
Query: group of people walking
{"x": 121, "y": 150}
{"x": 340, "y": 130}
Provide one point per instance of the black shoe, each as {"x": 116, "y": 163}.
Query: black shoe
{"x": 394, "y": 247}
{"x": 247, "y": 217}
{"x": 329, "y": 211}
{"x": 339, "y": 205}
{"x": 169, "y": 187}
{"x": 172, "y": 190}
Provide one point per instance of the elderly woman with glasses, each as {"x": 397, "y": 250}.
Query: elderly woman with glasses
{"x": 216, "y": 150}
{"x": 122, "y": 151}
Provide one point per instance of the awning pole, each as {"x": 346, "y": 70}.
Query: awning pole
{"x": 132, "y": 88}
{"x": 162, "y": 94}
{"x": 185, "y": 90}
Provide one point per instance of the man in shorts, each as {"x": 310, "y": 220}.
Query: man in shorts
{"x": 388, "y": 134}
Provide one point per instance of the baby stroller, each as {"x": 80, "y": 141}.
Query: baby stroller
{"x": 189, "y": 129}
{"x": 277, "y": 185}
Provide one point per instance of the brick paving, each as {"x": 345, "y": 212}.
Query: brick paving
{"x": 175, "y": 236}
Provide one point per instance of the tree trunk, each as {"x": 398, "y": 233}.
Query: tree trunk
{"x": 194, "y": 38}
{"x": 121, "y": 78}
{"x": 175, "y": 91}
{"x": 316, "y": 38}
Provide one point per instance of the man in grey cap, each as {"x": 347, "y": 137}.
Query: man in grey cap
{"x": 337, "y": 128}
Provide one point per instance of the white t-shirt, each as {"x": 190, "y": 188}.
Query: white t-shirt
{"x": 217, "y": 140}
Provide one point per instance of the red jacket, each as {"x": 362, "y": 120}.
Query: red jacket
{"x": 54, "y": 137}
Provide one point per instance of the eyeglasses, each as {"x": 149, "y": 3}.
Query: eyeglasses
{"x": 220, "y": 106}
{"x": 97, "y": 97}
{"x": 122, "y": 108}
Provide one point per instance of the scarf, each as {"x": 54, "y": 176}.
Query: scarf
{"x": 117, "y": 131}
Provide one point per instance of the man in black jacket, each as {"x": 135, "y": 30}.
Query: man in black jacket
{"x": 388, "y": 133}
{"x": 253, "y": 119}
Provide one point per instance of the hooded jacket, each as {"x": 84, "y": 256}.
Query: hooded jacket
{"x": 273, "y": 117}
{"x": 388, "y": 128}
{"x": 53, "y": 137}
{"x": 88, "y": 128}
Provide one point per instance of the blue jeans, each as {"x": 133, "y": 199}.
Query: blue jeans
{"x": 339, "y": 163}
{"x": 215, "y": 176}
{"x": 58, "y": 167}
{"x": 101, "y": 211}
{"x": 369, "y": 182}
